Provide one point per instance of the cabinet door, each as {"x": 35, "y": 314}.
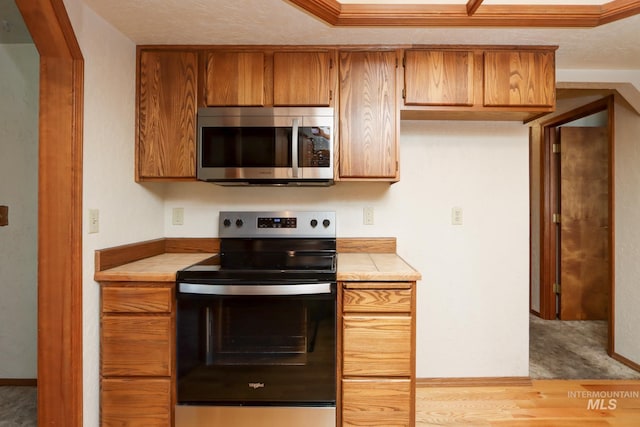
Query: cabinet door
{"x": 368, "y": 115}
{"x": 136, "y": 346}
{"x": 235, "y": 79}
{"x": 438, "y": 77}
{"x": 302, "y": 78}
{"x": 130, "y": 299}
{"x": 376, "y": 345}
{"x": 135, "y": 402}
{"x": 376, "y": 300}
{"x": 380, "y": 402}
{"x": 519, "y": 78}
{"x": 166, "y": 141}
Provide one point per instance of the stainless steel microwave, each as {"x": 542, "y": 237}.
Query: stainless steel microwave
{"x": 265, "y": 146}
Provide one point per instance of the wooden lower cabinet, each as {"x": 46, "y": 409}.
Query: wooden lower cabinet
{"x": 377, "y": 402}
{"x": 137, "y": 354}
{"x": 136, "y": 402}
{"x": 377, "y": 349}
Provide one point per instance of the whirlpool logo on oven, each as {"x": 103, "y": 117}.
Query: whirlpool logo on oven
{"x": 256, "y": 386}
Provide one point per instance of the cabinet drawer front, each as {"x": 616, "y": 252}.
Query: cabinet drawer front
{"x": 376, "y": 403}
{"x": 376, "y": 300}
{"x": 136, "y": 402}
{"x": 376, "y": 346}
{"x": 137, "y": 300}
{"x": 136, "y": 346}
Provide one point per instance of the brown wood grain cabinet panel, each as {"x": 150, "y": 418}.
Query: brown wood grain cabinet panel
{"x": 136, "y": 402}
{"x": 137, "y": 299}
{"x": 438, "y": 77}
{"x": 377, "y": 402}
{"x": 376, "y": 345}
{"x": 376, "y": 300}
{"x": 136, "y": 346}
{"x": 167, "y": 100}
{"x": 235, "y": 79}
{"x": 302, "y": 78}
{"x": 519, "y": 78}
{"x": 368, "y": 115}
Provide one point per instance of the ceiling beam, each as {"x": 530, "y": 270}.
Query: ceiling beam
{"x": 450, "y": 15}
{"x": 472, "y": 6}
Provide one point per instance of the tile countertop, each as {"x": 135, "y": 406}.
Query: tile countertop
{"x": 351, "y": 266}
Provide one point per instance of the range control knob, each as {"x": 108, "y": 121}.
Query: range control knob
{"x": 226, "y": 222}
{"x": 239, "y": 223}
{"x": 314, "y": 223}
{"x": 326, "y": 223}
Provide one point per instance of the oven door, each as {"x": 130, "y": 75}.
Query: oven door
{"x": 256, "y": 345}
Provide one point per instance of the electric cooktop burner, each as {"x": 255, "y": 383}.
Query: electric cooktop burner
{"x": 269, "y": 247}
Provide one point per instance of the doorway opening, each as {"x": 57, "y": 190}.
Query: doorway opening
{"x": 571, "y": 325}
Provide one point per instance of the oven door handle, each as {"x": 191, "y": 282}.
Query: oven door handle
{"x": 267, "y": 290}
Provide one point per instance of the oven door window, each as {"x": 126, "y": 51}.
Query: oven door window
{"x": 248, "y": 350}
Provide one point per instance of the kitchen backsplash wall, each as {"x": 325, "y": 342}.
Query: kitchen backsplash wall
{"x": 474, "y": 292}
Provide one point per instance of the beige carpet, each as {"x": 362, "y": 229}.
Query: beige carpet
{"x": 572, "y": 350}
{"x": 18, "y": 407}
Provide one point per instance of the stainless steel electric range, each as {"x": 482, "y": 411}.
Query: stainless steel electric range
{"x": 256, "y": 324}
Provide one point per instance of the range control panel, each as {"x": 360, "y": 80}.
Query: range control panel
{"x": 303, "y": 224}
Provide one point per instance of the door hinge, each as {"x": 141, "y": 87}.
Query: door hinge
{"x": 556, "y": 288}
{"x": 404, "y": 94}
{"x": 330, "y": 63}
{"x": 330, "y": 95}
{"x": 555, "y": 148}
{"x": 404, "y": 61}
{"x": 556, "y": 218}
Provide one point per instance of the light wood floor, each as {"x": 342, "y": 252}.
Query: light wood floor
{"x": 548, "y": 403}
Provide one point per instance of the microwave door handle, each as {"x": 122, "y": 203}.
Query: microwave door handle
{"x": 261, "y": 290}
{"x": 294, "y": 148}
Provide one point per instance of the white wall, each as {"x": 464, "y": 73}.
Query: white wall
{"x": 19, "y": 71}
{"x": 473, "y": 301}
{"x": 129, "y": 212}
{"x": 627, "y": 232}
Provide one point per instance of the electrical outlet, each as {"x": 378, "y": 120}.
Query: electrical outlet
{"x": 456, "y": 215}
{"x": 367, "y": 216}
{"x": 94, "y": 221}
{"x": 177, "y": 216}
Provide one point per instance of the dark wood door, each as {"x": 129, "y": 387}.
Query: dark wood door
{"x": 584, "y": 234}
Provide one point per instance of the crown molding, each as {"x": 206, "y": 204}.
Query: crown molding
{"x": 442, "y": 15}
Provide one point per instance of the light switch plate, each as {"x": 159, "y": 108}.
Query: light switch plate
{"x": 456, "y": 215}
{"x": 94, "y": 221}
{"x": 177, "y": 216}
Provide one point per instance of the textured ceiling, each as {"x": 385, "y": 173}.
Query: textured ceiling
{"x": 614, "y": 45}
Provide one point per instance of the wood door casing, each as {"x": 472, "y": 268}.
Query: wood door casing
{"x": 584, "y": 235}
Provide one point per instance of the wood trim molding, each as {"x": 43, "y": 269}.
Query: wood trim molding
{"x": 474, "y": 382}
{"x": 458, "y": 15}
{"x": 18, "y": 382}
{"x": 59, "y": 212}
{"x": 630, "y": 363}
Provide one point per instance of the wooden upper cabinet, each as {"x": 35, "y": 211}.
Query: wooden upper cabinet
{"x": 368, "y": 115}
{"x": 235, "y": 79}
{"x": 302, "y": 78}
{"x": 167, "y": 100}
{"x": 519, "y": 78}
{"x": 438, "y": 77}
